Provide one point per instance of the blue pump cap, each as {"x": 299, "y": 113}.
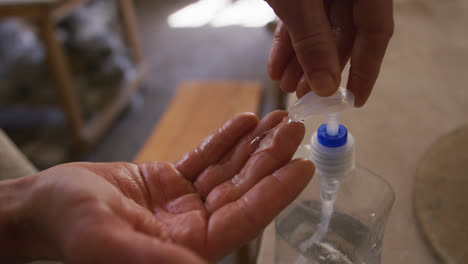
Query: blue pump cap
{"x": 332, "y": 141}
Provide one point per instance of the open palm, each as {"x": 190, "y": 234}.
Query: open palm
{"x": 215, "y": 198}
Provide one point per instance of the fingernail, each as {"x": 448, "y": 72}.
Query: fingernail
{"x": 303, "y": 87}
{"x": 323, "y": 85}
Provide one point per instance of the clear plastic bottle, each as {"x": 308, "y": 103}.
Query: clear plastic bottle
{"x": 340, "y": 217}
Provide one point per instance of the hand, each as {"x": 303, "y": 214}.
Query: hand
{"x": 316, "y": 38}
{"x": 217, "y": 197}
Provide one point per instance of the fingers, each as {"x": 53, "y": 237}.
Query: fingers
{"x": 302, "y": 87}
{"x": 120, "y": 245}
{"x": 322, "y": 50}
{"x": 374, "y": 25}
{"x": 242, "y": 220}
{"x": 342, "y": 24}
{"x": 341, "y": 21}
{"x": 233, "y": 162}
{"x": 275, "y": 150}
{"x": 216, "y": 145}
{"x": 291, "y": 76}
{"x": 281, "y": 52}
{"x": 313, "y": 43}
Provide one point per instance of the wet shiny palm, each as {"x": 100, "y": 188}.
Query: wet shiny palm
{"x": 215, "y": 198}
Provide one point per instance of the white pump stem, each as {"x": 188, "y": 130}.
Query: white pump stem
{"x": 333, "y": 124}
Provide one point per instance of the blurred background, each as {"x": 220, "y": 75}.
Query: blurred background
{"x": 90, "y": 80}
{"x": 181, "y": 40}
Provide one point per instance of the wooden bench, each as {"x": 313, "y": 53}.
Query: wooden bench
{"x": 197, "y": 109}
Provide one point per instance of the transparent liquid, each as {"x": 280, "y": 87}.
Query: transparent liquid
{"x": 347, "y": 241}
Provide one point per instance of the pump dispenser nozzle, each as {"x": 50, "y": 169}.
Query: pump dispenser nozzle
{"x": 331, "y": 150}
{"x": 331, "y": 146}
{"x": 311, "y": 105}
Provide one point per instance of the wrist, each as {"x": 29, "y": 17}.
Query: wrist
{"x": 21, "y": 237}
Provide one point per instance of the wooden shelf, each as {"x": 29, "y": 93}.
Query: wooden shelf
{"x": 46, "y": 13}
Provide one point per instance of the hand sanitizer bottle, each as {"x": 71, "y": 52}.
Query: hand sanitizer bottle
{"x": 312, "y": 230}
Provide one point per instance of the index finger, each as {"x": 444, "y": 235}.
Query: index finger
{"x": 313, "y": 42}
{"x": 212, "y": 148}
{"x": 281, "y": 52}
{"x": 374, "y": 27}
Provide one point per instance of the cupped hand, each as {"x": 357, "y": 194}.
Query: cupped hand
{"x": 215, "y": 198}
{"x": 315, "y": 39}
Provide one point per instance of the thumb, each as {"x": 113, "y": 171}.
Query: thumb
{"x": 313, "y": 42}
